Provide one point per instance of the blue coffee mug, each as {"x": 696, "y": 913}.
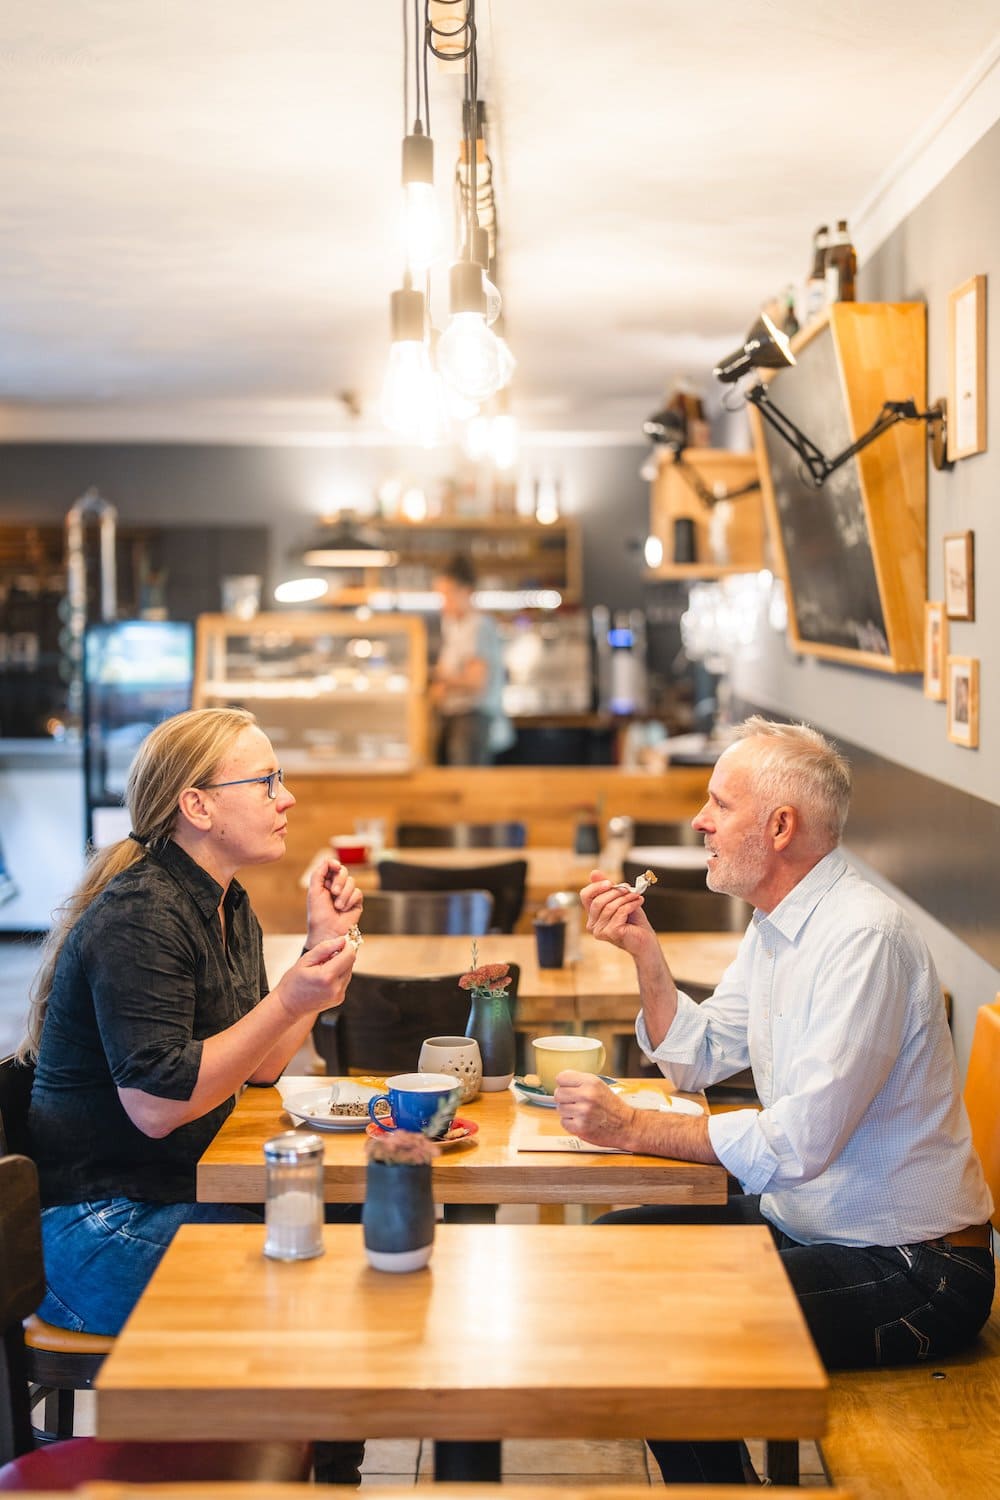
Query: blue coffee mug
{"x": 424, "y": 1103}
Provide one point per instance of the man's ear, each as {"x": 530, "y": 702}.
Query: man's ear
{"x": 783, "y": 826}
{"x": 194, "y": 809}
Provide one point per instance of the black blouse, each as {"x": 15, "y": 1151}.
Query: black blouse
{"x": 143, "y": 979}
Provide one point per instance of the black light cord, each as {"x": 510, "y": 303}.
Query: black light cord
{"x": 452, "y": 54}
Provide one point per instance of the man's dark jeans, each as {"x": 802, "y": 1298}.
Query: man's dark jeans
{"x": 865, "y": 1306}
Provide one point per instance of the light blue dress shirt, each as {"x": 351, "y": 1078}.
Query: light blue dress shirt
{"x": 834, "y": 1002}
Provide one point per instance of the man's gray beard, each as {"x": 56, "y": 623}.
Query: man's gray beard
{"x": 744, "y": 871}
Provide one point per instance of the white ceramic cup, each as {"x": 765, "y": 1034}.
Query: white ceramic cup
{"x": 458, "y": 1055}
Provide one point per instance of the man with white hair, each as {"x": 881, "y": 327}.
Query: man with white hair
{"x": 861, "y": 1158}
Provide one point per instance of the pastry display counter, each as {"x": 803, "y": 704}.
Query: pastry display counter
{"x": 332, "y": 691}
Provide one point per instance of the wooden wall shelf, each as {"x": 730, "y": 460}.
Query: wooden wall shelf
{"x": 728, "y": 537}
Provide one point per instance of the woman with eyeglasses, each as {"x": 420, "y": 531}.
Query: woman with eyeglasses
{"x": 151, "y": 1009}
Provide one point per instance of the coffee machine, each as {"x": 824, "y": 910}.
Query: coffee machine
{"x": 620, "y": 660}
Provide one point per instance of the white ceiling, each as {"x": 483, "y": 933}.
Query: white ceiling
{"x": 198, "y": 201}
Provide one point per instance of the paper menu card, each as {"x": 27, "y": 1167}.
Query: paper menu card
{"x": 565, "y": 1143}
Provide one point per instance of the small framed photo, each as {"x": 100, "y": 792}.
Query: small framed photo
{"x": 959, "y": 576}
{"x": 935, "y": 649}
{"x": 963, "y": 700}
{"x": 967, "y": 368}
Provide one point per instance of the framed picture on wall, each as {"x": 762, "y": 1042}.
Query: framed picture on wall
{"x": 967, "y": 368}
{"x": 935, "y": 649}
{"x": 959, "y": 576}
{"x": 963, "y": 700}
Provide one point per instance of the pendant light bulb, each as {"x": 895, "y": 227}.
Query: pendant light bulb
{"x": 411, "y": 406}
{"x": 468, "y": 354}
{"x": 479, "y": 243}
{"x": 506, "y": 361}
{"x": 420, "y": 219}
{"x": 505, "y": 440}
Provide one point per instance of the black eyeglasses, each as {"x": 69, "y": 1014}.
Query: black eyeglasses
{"x": 270, "y": 781}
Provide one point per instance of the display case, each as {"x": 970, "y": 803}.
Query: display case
{"x": 333, "y": 692}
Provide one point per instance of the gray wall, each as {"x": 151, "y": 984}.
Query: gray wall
{"x": 287, "y": 488}
{"x": 953, "y": 234}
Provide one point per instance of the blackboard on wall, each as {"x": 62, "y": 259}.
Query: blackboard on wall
{"x": 847, "y": 598}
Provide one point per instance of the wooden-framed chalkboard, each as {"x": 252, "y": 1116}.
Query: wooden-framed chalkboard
{"x": 853, "y": 553}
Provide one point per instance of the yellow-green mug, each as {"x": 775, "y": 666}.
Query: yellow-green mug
{"x": 554, "y": 1053}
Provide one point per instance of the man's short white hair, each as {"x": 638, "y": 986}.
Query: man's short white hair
{"x": 796, "y": 764}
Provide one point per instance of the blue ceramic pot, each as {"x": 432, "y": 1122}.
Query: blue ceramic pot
{"x": 398, "y": 1216}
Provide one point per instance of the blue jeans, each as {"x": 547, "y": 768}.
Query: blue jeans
{"x": 865, "y": 1306}
{"x": 100, "y": 1255}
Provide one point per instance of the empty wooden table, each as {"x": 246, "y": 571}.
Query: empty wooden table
{"x": 513, "y": 1331}
{"x": 487, "y": 1168}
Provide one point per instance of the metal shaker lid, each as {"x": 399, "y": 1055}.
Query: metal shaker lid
{"x": 292, "y": 1147}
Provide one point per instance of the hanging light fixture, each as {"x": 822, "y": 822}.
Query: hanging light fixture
{"x": 343, "y": 543}
{"x": 468, "y": 353}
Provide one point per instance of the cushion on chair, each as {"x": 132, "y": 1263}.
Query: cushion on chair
{"x": 41, "y": 1335}
{"x": 63, "y": 1466}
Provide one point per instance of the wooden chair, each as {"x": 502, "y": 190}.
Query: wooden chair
{"x": 383, "y": 1021}
{"x": 58, "y": 1362}
{"x": 505, "y": 881}
{"x": 428, "y": 912}
{"x": 925, "y": 1431}
{"x": 670, "y": 910}
{"x": 65, "y": 1465}
{"x": 461, "y": 835}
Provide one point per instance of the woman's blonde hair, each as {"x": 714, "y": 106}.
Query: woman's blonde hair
{"x": 796, "y": 764}
{"x": 183, "y": 751}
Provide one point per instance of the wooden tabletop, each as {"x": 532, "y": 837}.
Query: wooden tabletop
{"x": 514, "y": 1330}
{"x": 601, "y": 982}
{"x": 486, "y": 1168}
{"x": 202, "y": 1490}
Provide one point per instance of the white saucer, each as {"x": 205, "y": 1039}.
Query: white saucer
{"x": 527, "y": 1093}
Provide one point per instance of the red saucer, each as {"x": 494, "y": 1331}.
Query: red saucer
{"x": 461, "y": 1130}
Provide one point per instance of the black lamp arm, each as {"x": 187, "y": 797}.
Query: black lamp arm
{"x": 705, "y": 495}
{"x": 816, "y": 462}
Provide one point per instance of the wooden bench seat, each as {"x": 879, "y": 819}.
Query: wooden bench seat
{"x": 924, "y": 1432}
{"x": 931, "y": 1431}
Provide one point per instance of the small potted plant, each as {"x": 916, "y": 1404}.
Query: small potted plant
{"x": 490, "y": 1020}
{"x": 398, "y": 1215}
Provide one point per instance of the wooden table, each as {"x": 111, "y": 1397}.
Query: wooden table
{"x": 207, "y": 1490}
{"x": 599, "y": 991}
{"x": 488, "y": 1168}
{"x": 513, "y": 1331}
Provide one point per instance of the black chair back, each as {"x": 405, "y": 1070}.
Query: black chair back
{"x": 461, "y": 835}
{"x": 22, "y": 1287}
{"x": 672, "y": 832}
{"x": 505, "y": 881}
{"x": 383, "y": 1021}
{"x": 15, "y": 1098}
{"x": 695, "y": 911}
{"x": 428, "y": 912}
{"x": 666, "y": 876}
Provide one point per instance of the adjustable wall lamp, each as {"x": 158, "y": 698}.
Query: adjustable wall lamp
{"x": 767, "y": 348}
{"x": 668, "y": 429}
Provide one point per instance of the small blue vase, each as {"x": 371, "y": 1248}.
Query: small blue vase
{"x": 398, "y": 1216}
{"x": 491, "y": 1025}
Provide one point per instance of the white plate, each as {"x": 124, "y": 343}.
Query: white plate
{"x": 525, "y": 1093}
{"x": 314, "y": 1108}
{"x": 669, "y": 1103}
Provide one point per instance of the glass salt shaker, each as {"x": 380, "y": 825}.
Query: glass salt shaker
{"x": 294, "y": 1208}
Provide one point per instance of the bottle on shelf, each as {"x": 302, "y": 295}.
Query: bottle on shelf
{"x": 789, "y": 321}
{"x": 841, "y": 266}
{"x": 816, "y": 283}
